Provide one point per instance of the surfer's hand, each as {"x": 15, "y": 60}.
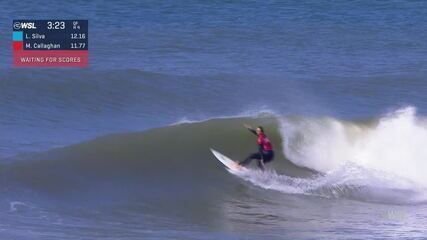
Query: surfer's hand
{"x": 247, "y": 126}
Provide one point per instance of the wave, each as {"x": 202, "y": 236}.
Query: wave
{"x": 378, "y": 160}
{"x": 69, "y": 106}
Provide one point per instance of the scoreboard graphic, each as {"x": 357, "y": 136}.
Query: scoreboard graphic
{"x": 50, "y": 43}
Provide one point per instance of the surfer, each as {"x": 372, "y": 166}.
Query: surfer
{"x": 265, "y": 152}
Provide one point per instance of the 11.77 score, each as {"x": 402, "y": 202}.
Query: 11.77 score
{"x": 78, "y": 45}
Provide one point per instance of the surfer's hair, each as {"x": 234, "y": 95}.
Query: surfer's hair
{"x": 262, "y": 129}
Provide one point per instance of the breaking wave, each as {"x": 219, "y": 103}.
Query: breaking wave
{"x": 376, "y": 160}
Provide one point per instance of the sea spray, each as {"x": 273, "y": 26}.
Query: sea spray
{"x": 380, "y": 157}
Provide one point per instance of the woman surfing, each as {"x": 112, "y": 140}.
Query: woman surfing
{"x": 265, "y": 152}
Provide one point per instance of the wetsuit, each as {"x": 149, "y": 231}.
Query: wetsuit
{"x": 265, "y": 151}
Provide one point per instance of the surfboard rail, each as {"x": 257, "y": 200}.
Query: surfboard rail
{"x": 229, "y": 163}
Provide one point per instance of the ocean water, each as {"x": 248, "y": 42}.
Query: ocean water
{"x": 120, "y": 150}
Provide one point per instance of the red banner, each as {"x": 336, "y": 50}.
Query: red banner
{"x": 54, "y": 58}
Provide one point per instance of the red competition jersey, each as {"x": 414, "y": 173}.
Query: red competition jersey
{"x": 264, "y": 142}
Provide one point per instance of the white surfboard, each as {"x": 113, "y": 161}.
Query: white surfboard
{"x": 230, "y": 164}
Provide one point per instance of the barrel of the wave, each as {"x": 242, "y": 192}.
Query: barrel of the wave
{"x": 50, "y": 43}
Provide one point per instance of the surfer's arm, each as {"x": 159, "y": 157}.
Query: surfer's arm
{"x": 250, "y": 129}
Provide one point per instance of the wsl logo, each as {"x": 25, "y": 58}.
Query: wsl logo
{"x": 24, "y": 25}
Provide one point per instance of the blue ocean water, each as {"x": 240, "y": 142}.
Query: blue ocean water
{"x": 156, "y": 63}
{"x": 353, "y": 59}
{"x": 302, "y": 39}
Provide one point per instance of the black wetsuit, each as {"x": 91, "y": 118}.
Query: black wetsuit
{"x": 263, "y": 155}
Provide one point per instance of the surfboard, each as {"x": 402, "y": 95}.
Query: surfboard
{"x": 230, "y": 164}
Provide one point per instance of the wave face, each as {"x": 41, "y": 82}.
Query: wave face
{"x": 378, "y": 160}
{"x": 62, "y": 107}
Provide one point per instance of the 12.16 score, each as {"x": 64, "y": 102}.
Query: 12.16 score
{"x": 78, "y": 36}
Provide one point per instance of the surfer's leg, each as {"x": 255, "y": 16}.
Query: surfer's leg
{"x": 261, "y": 164}
{"x": 249, "y": 159}
{"x": 268, "y": 156}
